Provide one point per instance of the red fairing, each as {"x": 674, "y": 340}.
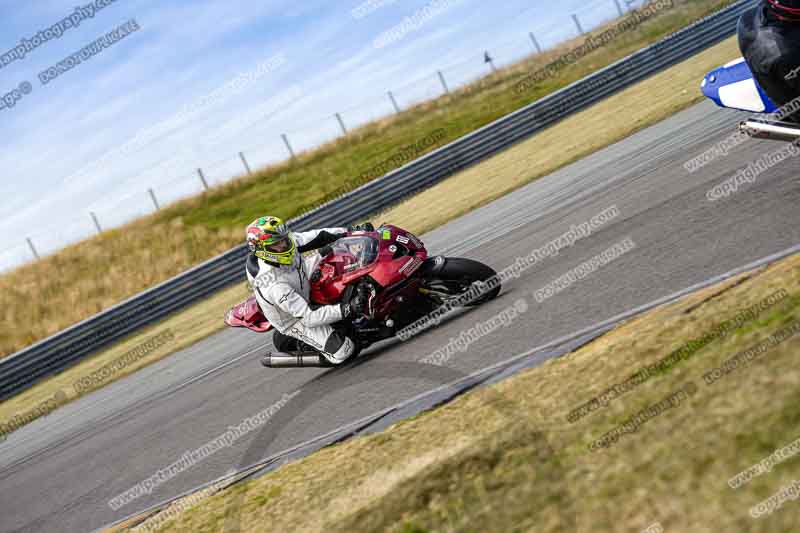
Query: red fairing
{"x": 247, "y": 315}
{"x": 341, "y": 268}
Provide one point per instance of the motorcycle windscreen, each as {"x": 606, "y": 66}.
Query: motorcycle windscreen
{"x": 356, "y": 251}
{"x": 733, "y": 86}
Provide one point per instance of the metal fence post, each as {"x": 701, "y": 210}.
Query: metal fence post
{"x": 245, "y": 163}
{"x": 288, "y": 146}
{"x": 535, "y": 42}
{"x": 488, "y": 59}
{"x": 578, "y": 24}
{"x": 444, "y": 83}
{"x": 153, "y": 197}
{"x": 202, "y": 179}
{"x": 394, "y": 102}
{"x": 341, "y": 123}
{"x": 32, "y": 247}
{"x": 96, "y": 222}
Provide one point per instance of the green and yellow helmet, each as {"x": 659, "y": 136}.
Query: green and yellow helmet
{"x": 268, "y": 238}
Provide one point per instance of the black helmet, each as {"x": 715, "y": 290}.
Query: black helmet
{"x": 785, "y": 9}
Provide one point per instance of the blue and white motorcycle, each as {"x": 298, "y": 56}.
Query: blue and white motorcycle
{"x": 733, "y": 86}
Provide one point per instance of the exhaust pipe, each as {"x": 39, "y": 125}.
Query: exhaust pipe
{"x": 300, "y": 360}
{"x": 776, "y": 131}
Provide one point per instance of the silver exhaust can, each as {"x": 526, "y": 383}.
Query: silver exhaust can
{"x": 301, "y": 360}
{"x": 776, "y": 131}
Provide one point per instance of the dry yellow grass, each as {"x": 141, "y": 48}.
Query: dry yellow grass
{"x": 49, "y": 295}
{"x": 505, "y": 458}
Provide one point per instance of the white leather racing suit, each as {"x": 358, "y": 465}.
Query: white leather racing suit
{"x": 283, "y": 292}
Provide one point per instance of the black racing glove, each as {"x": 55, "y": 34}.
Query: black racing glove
{"x": 366, "y": 226}
{"x": 358, "y": 304}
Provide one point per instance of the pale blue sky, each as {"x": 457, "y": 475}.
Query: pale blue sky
{"x": 178, "y": 68}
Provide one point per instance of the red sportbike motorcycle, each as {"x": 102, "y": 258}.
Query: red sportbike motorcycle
{"x": 394, "y": 265}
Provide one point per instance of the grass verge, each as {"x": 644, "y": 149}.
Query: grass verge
{"x": 655, "y": 99}
{"x": 473, "y": 466}
{"x": 99, "y": 272}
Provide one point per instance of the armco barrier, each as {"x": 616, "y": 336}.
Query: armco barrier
{"x": 51, "y": 355}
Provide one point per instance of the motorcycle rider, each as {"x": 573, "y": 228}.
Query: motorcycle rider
{"x": 279, "y": 275}
{"x": 769, "y": 38}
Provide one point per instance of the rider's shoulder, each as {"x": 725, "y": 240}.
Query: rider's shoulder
{"x": 752, "y": 20}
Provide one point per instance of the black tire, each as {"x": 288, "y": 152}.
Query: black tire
{"x": 459, "y": 275}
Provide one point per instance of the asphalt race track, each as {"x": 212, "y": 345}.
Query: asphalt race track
{"x": 58, "y": 473}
